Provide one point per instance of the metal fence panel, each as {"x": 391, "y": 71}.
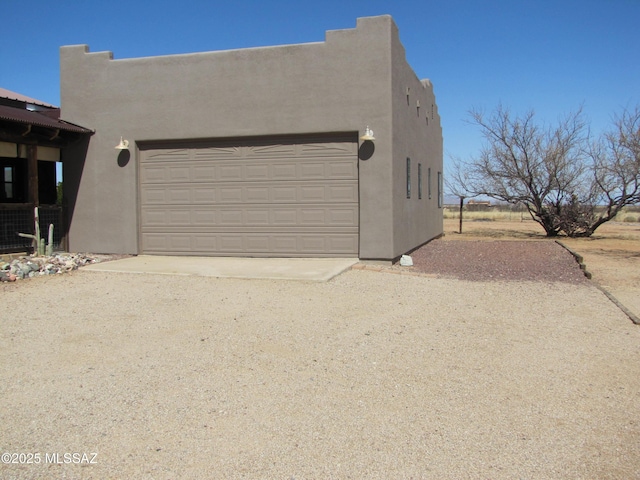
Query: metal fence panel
{"x": 16, "y": 219}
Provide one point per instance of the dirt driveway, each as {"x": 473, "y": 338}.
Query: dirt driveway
{"x": 370, "y": 375}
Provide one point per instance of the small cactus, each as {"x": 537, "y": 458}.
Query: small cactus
{"x": 39, "y": 246}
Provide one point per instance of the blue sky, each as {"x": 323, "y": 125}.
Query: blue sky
{"x": 548, "y": 55}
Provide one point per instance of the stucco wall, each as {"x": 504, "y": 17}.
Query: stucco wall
{"x": 417, "y": 135}
{"x": 340, "y": 85}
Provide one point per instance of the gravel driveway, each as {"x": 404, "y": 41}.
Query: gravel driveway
{"x": 370, "y": 375}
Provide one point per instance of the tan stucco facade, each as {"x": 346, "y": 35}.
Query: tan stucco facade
{"x": 355, "y": 78}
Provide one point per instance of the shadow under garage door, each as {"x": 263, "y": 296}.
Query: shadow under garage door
{"x": 261, "y": 197}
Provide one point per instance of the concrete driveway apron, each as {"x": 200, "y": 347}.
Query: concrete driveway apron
{"x": 310, "y": 269}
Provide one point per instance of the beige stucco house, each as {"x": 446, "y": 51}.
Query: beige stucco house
{"x": 255, "y": 152}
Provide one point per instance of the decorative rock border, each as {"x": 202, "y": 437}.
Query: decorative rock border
{"x": 634, "y": 318}
{"x": 578, "y": 258}
{"x": 30, "y": 266}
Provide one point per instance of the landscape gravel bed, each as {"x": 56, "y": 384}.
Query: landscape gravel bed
{"x": 368, "y": 375}
{"x": 481, "y": 261}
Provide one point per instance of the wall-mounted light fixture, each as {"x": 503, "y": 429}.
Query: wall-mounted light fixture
{"x": 368, "y": 135}
{"x": 123, "y": 145}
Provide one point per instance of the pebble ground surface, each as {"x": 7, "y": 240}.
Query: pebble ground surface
{"x": 370, "y": 375}
{"x": 478, "y": 260}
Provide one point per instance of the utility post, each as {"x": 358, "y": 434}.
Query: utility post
{"x": 461, "y": 205}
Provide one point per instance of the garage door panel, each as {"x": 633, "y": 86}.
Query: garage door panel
{"x": 180, "y": 242}
{"x": 215, "y": 153}
{"x": 279, "y": 193}
{"x": 230, "y": 243}
{"x": 312, "y": 193}
{"x": 243, "y": 170}
{"x": 312, "y": 244}
{"x": 257, "y": 172}
{"x": 342, "y": 193}
{"x": 284, "y": 172}
{"x": 326, "y": 149}
{"x": 257, "y": 194}
{"x": 200, "y": 173}
{"x": 169, "y": 155}
{"x": 285, "y": 217}
{"x": 202, "y": 217}
{"x": 228, "y": 195}
{"x": 270, "y": 151}
{"x": 231, "y": 173}
{"x": 153, "y": 174}
{"x": 254, "y": 243}
{"x": 174, "y": 217}
{"x": 257, "y": 217}
{"x": 154, "y": 217}
{"x": 341, "y": 170}
{"x": 165, "y": 196}
{"x": 342, "y": 244}
{"x": 271, "y": 199}
{"x": 168, "y": 243}
{"x": 312, "y": 171}
{"x": 343, "y": 216}
{"x": 284, "y": 244}
{"x": 153, "y": 197}
{"x": 178, "y": 174}
{"x": 245, "y": 230}
{"x": 230, "y": 218}
{"x": 284, "y": 194}
{"x": 262, "y": 216}
{"x": 178, "y": 195}
{"x": 178, "y": 217}
{"x": 203, "y": 195}
{"x": 203, "y": 243}
{"x": 299, "y": 245}
{"x": 155, "y": 242}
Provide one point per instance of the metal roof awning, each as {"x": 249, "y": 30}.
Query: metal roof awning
{"x": 28, "y": 117}
{"x": 4, "y": 93}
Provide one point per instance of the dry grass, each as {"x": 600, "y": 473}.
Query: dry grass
{"x": 504, "y": 214}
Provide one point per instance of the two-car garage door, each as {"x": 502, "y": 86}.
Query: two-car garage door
{"x": 264, "y": 197}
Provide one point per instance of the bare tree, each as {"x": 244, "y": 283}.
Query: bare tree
{"x": 615, "y": 166}
{"x": 555, "y": 172}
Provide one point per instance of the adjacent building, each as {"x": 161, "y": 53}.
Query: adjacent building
{"x": 33, "y": 138}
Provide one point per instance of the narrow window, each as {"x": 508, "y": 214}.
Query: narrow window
{"x": 429, "y": 182}
{"x": 8, "y": 182}
{"x": 419, "y": 181}
{"x": 408, "y": 177}
{"x": 440, "y": 192}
